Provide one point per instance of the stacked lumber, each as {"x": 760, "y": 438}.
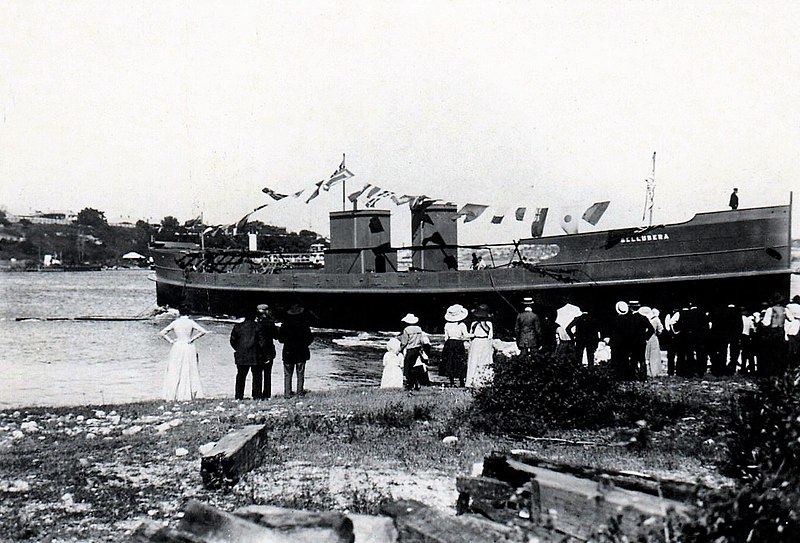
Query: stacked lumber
{"x": 520, "y": 489}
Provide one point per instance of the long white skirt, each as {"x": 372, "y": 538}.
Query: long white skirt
{"x": 479, "y": 363}
{"x": 392, "y": 377}
{"x": 653, "y": 356}
{"x": 182, "y": 376}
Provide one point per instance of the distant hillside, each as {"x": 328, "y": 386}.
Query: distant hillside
{"x": 104, "y": 245}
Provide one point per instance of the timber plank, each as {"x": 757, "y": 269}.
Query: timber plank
{"x": 234, "y": 455}
{"x": 327, "y": 526}
{"x": 215, "y": 526}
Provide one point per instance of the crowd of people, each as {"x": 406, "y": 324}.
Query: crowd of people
{"x": 634, "y": 343}
{"x": 253, "y": 342}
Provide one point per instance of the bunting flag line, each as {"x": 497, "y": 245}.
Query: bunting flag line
{"x": 242, "y": 223}
{"x": 336, "y": 178}
{"x": 298, "y": 193}
{"x": 569, "y": 223}
{"x": 316, "y": 192}
{"x": 378, "y": 197}
{"x": 595, "y": 211}
{"x": 435, "y": 238}
{"x": 498, "y": 216}
{"x": 355, "y": 195}
{"x": 537, "y": 226}
{"x": 419, "y": 203}
{"x": 519, "y": 214}
{"x": 375, "y": 225}
{"x": 272, "y": 194}
{"x": 194, "y": 222}
{"x": 470, "y": 212}
{"x": 400, "y": 200}
{"x": 373, "y": 191}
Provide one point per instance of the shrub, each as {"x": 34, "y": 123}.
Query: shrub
{"x": 532, "y": 393}
{"x": 765, "y": 454}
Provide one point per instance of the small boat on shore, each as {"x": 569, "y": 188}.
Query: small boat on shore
{"x": 735, "y": 256}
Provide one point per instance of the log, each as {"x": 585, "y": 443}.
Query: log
{"x": 234, "y": 455}
{"x": 212, "y": 525}
{"x": 656, "y": 486}
{"x": 328, "y": 526}
{"x": 417, "y": 523}
{"x": 576, "y": 506}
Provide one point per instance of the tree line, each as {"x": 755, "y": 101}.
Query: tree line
{"x": 91, "y": 240}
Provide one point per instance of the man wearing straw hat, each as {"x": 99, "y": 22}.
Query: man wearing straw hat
{"x": 528, "y": 328}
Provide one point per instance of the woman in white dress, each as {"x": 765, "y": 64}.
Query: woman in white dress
{"x": 392, "y": 365}
{"x": 653, "y": 347}
{"x": 182, "y": 375}
{"x": 481, "y": 351}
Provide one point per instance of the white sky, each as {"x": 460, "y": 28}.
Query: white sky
{"x": 146, "y": 109}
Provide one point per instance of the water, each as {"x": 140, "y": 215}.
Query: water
{"x": 77, "y": 362}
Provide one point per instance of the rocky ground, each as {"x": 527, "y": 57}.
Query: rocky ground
{"x": 93, "y": 473}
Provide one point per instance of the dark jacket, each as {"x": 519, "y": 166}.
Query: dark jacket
{"x": 268, "y": 333}
{"x": 584, "y": 329}
{"x": 528, "y": 330}
{"x": 245, "y": 339}
{"x": 296, "y": 336}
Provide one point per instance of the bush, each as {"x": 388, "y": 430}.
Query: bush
{"x": 765, "y": 455}
{"x": 531, "y": 394}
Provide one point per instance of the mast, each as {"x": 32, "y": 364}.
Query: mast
{"x": 650, "y": 194}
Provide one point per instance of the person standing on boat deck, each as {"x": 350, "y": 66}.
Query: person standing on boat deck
{"x": 481, "y": 350}
{"x": 454, "y": 354}
{"x": 182, "y": 374}
{"x": 268, "y": 334}
{"x": 734, "y": 201}
{"x": 528, "y": 329}
{"x": 296, "y": 336}
{"x": 413, "y": 341}
{"x": 245, "y": 340}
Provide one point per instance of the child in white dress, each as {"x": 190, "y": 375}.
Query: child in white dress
{"x": 392, "y": 365}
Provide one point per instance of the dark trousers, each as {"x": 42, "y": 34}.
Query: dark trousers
{"x": 412, "y": 377}
{"x": 748, "y": 355}
{"x": 241, "y": 378}
{"x": 590, "y": 346}
{"x": 289, "y": 369}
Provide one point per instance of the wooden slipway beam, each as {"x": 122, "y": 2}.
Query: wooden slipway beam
{"x": 234, "y": 455}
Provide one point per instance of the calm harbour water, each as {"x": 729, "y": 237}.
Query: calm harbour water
{"x": 76, "y": 362}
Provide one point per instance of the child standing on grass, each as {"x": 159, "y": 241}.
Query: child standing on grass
{"x": 392, "y": 365}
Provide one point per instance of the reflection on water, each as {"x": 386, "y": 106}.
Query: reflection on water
{"x": 70, "y": 362}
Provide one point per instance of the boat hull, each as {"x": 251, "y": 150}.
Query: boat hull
{"x": 741, "y": 257}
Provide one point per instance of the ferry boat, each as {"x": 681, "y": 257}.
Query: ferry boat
{"x": 738, "y": 256}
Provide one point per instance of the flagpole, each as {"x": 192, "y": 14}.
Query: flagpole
{"x": 344, "y": 185}
{"x": 653, "y": 192}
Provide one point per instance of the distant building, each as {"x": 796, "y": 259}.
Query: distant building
{"x": 49, "y": 217}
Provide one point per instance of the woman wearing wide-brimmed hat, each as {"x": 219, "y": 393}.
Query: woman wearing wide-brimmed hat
{"x": 454, "y": 354}
{"x": 481, "y": 351}
{"x": 414, "y": 342}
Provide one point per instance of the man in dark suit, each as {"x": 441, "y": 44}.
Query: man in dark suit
{"x": 268, "y": 334}
{"x": 528, "y": 329}
{"x": 245, "y": 338}
{"x": 295, "y": 334}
